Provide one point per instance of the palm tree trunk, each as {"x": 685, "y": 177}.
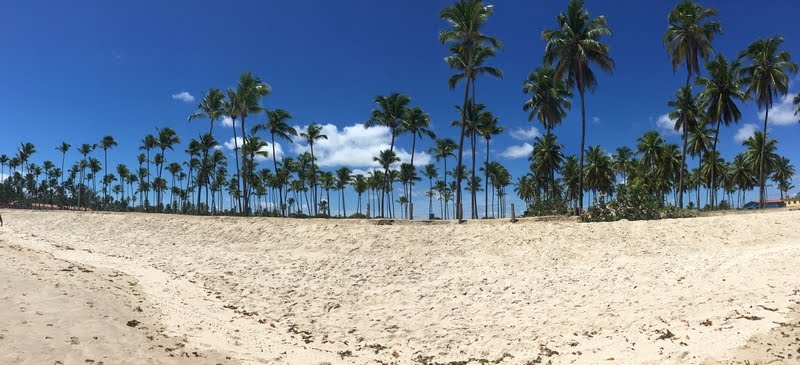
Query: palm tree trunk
{"x": 411, "y": 183}
{"x": 458, "y": 203}
{"x": 236, "y": 154}
{"x": 683, "y": 163}
{"x": 713, "y": 166}
{"x": 762, "y": 193}
{"x": 275, "y": 165}
{"x": 486, "y": 183}
{"x": 583, "y": 142}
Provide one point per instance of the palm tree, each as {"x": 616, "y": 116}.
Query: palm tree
{"x": 599, "y": 173}
{"x": 651, "y": 148}
{"x": 783, "y": 174}
{"x": 796, "y": 102}
{"x": 148, "y": 143}
{"x": 417, "y": 123}
{"x": 343, "y": 178}
{"x": 443, "y": 149}
{"x": 106, "y": 143}
{"x": 431, "y": 173}
{"x": 211, "y": 107}
{"x": 248, "y": 96}
{"x": 572, "y": 48}
{"x": 123, "y": 173}
{"x": 4, "y": 161}
{"x": 549, "y": 99}
{"x": 277, "y": 126}
{"x": 313, "y": 133}
{"x": 84, "y": 150}
{"x": 167, "y": 139}
{"x": 689, "y": 35}
{"x": 767, "y": 77}
{"x": 359, "y": 186}
{"x": 622, "y": 162}
{"x": 760, "y": 155}
{"x": 742, "y": 175}
{"x": 488, "y": 127}
{"x": 386, "y": 158}
{"x": 63, "y": 148}
{"x": 686, "y": 111}
{"x": 466, "y": 19}
{"x": 546, "y": 160}
{"x": 327, "y": 181}
{"x": 391, "y": 112}
{"x": 722, "y": 88}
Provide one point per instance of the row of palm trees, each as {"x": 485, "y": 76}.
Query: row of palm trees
{"x": 655, "y": 166}
{"x": 573, "y": 50}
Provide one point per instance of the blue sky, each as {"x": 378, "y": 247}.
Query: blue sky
{"x": 76, "y": 73}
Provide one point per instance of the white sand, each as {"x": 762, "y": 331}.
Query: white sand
{"x": 352, "y": 292}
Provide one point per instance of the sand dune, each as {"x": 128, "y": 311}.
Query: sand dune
{"x": 709, "y": 290}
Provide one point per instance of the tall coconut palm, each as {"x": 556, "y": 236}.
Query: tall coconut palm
{"x": 686, "y": 111}
{"x": 549, "y": 97}
{"x": 473, "y": 114}
{"x": 488, "y": 126}
{"x": 386, "y": 158}
{"x": 276, "y": 126}
{"x": 760, "y": 154}
{"x": 343, "y": 178}
{"x": 149, "y": 142}
{"x": 4, "y": 160}
{"x": 211, "y": 107}
{"x": 651, "y": 148}
{"x": 63, "y": 148}
{"x": 230, "y": 108}
{"x": 167, "y": 139}
{"x": 783, "y": 173}
{"x": 466, "y": 19}
{"x": 546, "y": 159}
{"x": 390, "y": 113}
{"x": 431, "y": 173}
{"x": 572, "y": 48}
{"x": 622, "y": 162}
{"x": 443, "y": 149}
{"x": 85, "y": 149}
{"x": 767, "y": 77}
{"x": 313, "y": 133}
{"x": 417, "y": 123}
{"x": 722, "y": 90}
{"x": 106, "y": 143}
{"x": 248, "y": 94}
{"x": 689, "y": 35}
{"x": 360, "y": 185}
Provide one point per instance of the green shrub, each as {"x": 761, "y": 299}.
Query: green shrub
{"x": 633, "y": 204}
{"x": 555, "y": 206}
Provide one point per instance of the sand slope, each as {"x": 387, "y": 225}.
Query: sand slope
{"x": 306, "y": 292}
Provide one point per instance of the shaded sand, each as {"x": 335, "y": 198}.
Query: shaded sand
{"x": 712, "y": 290}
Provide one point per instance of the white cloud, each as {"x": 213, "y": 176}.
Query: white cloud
{"x": 183, "y": 96}
{"x": 596, "y": 120}
{"x": 226, "y": 121}
{"x": 3, "y": 177}
{"x": 355, "y": 146}
{"x": 745, "y": 132}
{"x": 782, "y": 113}
{"x": 278, "y": 149}
{"x": 518, "y": 151}
{"x": 525, "y": 134}
{"x": 666, "y": 124}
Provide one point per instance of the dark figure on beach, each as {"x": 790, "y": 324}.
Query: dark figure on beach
{"x": 1, "y": 220}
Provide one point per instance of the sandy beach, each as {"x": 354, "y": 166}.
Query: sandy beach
{"x": 133, "y": 288}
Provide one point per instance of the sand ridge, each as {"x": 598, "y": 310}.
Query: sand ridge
{"x": 349, "y": 292}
